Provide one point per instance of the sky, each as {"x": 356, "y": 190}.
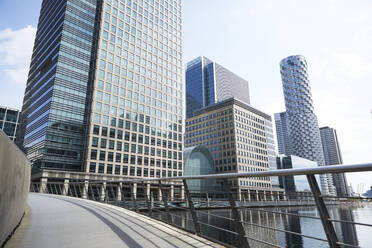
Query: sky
{"x": 250, "y": 38}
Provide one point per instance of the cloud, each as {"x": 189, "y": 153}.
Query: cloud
{"x": 15, "y": 54}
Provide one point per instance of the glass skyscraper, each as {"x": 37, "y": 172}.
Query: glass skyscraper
{"x": 208, "y": 83}
{"x": 104, "y": 93}
{"x": 282, "y": 132}
{"x": 332, "y": 156}
{"x": 302, "y": 123}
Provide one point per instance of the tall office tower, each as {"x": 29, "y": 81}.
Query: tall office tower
{"x": 104, "y": 92}
{"x": 303, "y": 126}
{"x": 208, "y": 83}
{"x": 9, "y": 121}
{"x": 332, "y": 156}
{"x": 240, "y": 139}
{"x": 282, "y": 132}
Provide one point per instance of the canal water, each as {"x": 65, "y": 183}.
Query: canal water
{"x": 352, "y": 234}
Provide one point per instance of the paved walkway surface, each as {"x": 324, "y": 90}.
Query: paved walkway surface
{"x": 60, "y": 221}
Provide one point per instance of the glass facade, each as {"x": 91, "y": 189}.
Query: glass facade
{"x": 54, "y": 107}
{"x": 332, "y": 156}
{"x": 104, "y": 93}
{"x": 208, "y": 83}
{"x": 194, "y": 91}
{"x": 302, "y": 123}
{"x": 294, "y": 184}
{"x": 9, "y": 119}
{"x": 136, "y": 106}
{"x": 281, "y": 125}
{"x": 199, "y": 161}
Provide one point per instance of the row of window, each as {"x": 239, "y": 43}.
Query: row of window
{"x": 209, "y": 117}
{"x": 139, "y": 149}
{"x": 131, "y": 170}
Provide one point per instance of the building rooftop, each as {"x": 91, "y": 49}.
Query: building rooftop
{"x": 229, "y": 102}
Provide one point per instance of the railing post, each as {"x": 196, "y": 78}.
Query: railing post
{"x": 84, "y": 195}
{"x": 65, "y": 187}
{"x": 239, "y": 227}
{"x": 102, "y": 194}
{"x": 145, "y": 189}
{"x": 192, "y": 209}
{"x": 172, "y": 191}
{"x": 118, "y": 192}
{"x": 43, "y": 185}
{"x": 323, "y": 212}
{"x": 165, "y": 201}
{"x": 133, "y": 189}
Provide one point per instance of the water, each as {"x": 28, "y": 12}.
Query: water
{"x": 347, "y": 233}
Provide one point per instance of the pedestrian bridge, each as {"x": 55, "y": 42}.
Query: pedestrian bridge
{"x": 62, "y": 221}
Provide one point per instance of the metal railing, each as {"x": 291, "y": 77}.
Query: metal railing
{"x": 170, "y": 200}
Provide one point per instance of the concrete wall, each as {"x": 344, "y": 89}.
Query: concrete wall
{"x": 15, "y": 171}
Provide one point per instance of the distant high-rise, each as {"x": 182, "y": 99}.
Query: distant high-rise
{"x": 332, "y": 156}
{"x": 9, "y": 121}
{"x": 282, "y": 132}
{"x": 302, "y": 123}
{"x": 208, "y": 83}
{"x": 104, "y": 91}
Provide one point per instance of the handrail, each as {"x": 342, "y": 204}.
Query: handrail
{"x": 282, "y": 172}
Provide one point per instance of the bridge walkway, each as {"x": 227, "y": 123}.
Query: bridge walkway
{"x": 60, "y": 221}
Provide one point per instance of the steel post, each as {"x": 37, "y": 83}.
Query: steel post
{"x": 165, "y": 202}
{"x": 239, "y": 227}
{"x": 192, "y": 208}
{"x": 133, "y": 189}
{"x": 323, "y": 212}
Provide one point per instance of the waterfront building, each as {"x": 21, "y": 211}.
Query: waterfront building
{"x": 239, "y": 138}
{"x": 207, "y": 83}
{"x": 199, "y": 161}
{"x": 9, "y": 121}
{"x": 281, "y": 127}
{"x": 332, "y": 156}
{"x": 302, "y": 123}
{"x": 104, "y": 93}
{"x": 295, "y": 186}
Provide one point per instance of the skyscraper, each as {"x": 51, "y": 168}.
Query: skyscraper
{"x": 208, "y": 83}
{"x": 332, "y": 156}
{"x": 282, "y": 132}
{"x": 104, "y": 92}
{"x": 302, "y": 123}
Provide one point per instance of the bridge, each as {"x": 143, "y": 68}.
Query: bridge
{"x": 103, "y": 213}
{"x": 60, "y": 221}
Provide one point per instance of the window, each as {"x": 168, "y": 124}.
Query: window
{"x": 92, "y": 167}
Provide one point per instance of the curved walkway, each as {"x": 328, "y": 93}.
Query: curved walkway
{"x": 60, "y": 221}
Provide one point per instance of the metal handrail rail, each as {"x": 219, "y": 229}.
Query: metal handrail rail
{"x": 282, "y": 172}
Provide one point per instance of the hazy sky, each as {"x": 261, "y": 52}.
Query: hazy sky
{"x": 250, "y": 37}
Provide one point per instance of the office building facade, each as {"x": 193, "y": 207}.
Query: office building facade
{"x": 281, "y": 127}
{"x": 302, "y": 123}
{"x": 104, "y": 93}
{"x": 9, "y": 121}
{"x": 207, "y": 83}
{"x": 332, "y": 156}
{"x": 236, "y": 134}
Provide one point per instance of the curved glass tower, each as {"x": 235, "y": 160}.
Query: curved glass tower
{"x": 303, "y": 126}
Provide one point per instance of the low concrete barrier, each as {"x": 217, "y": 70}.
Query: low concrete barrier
{"x": 15, "y": 171}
